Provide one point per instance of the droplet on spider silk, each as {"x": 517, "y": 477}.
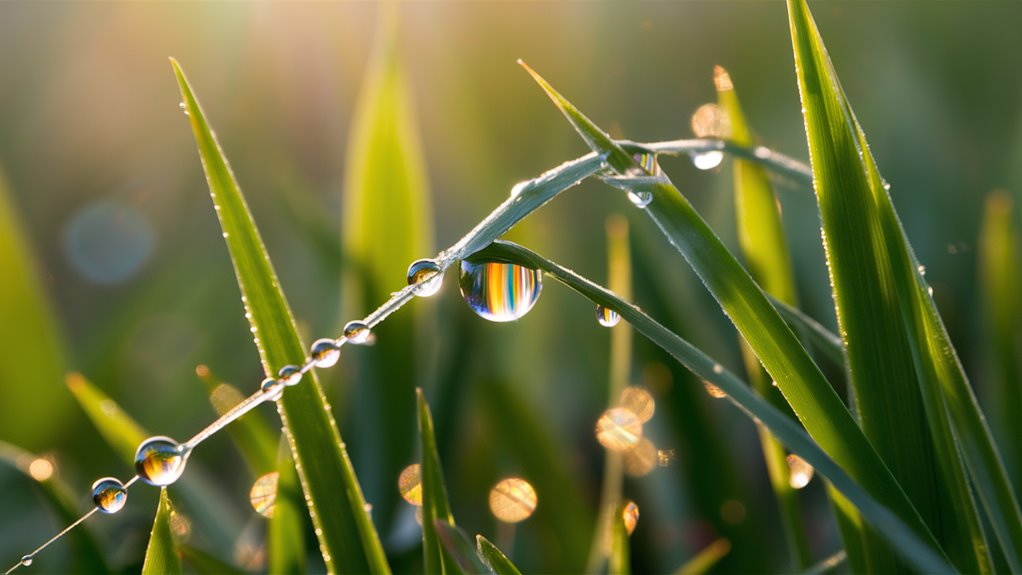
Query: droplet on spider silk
{"x": 640, "y": 199}
{"x": 290, "y": 375}
{"x": 26, "y": 560}
{"x": 648, "y": 163}
{"x": 325, "y": 352}
{"x": 272, "y": 387}
{"x": 500, "y": 291}
{"x": 109, "y": 494}
{"x": 160, "y": 460}
{"x": 606, "y": 316}
{"x": 707, "y": 160}
{"x": 426, "y": 276}
{"x": 357, "y": 332}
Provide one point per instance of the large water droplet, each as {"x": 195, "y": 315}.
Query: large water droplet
{"x": 707, "y": 160}
{"x": 109, "y": 494}
{"x": 325, "y": 352}
{"x": 630, "y": 515}
{"x": 519, "y": 188}
{"x": 26, "y": 560}
{"x": 606, "y": 316}
{"x": 357, "y": 332}
{"x": 500, "y": 291}
{"x": 426, "y": 276}
{"x": 160, "y": 460}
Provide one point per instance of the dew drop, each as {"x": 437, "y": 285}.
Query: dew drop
{"x": 109, "y": 494}
{"x": 426, "y": 276}
{"x": 619, "y": 429}
{"x": 640, "y": 199}
{"x": 707, "y": 160}
{"x": 714, "y": 391}
{"x": 184, "y": 108}
{"x": 519, "y": 188}
{"x": 800, "y": 472}
{"x": 290, "y": 375}
{"x": 272, "y": 387}
{"x": 606, "y": 316}
{"x": 160, "y": 460}
{"x": 325, "y": 352}
{"x": 26, "y": 560}
{"x": 409, "y": 484}
{"x": 357, "y": 332}
{"x": 630, "y": 515}
{"x": 500, "y": 291}
{"x": 649, "y": 164}
{"x": 512, "y": 500}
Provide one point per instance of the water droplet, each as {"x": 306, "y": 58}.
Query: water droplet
{"x": 26, "y": 560}
{"x": 714, "y": 391}
{"x": 618, "y": 429}
{"x": 426, "y": 276}
{"x": 519, "y": 188}
{"x": 184, "y": 108}
{"x": 160, "y": 460}
{"x": 512, "y": 500}
{"x": 325, "y": 352}
{"x": 800, "y": 472}
{"x": 639, "y": 401}
{"x": 630, "y": 515}
{"x": 273, "y": 387}
{"x": 640, "y": 199}
{"x": 357, "y": 332}
{"x": 109, "y": 494}
{"x": 290, "y": 375}
{"x": 500, "y": 291}
{"x": 922, "y": 270}
{"x": 717, "y": 368}
{"x": 929, "y": 290}
{"x": 648, "y": 163}
{"x": 707, "y": 160}
{"x": 263, "y": 495}
{"x": 409, "y": 484}
{"x": 606, "y": 316}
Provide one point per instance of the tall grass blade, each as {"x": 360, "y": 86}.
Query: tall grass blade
{"x": 458, "y": 547}
{"x": 30, "y": 338}
{"x": 435, "y": 507}
{"x": 620, "y": 561}
{"x": 494, "y": 558}
{"x": 285, "y": 534}
{"x": 917, "y": 548}
{"x": 906, "y": 374}
{"x": 387, "y": 225}
{"x": 805, "y": 388}
{"x": 256, "y": 441}
{"x": 119, "y": 430}
{"x": 205, "y": 563}
{"x": 765, "y": 254}
{"x": 161, "y": 556}
{"x": 705, "y": 559}
{"x": 348, "y": 540}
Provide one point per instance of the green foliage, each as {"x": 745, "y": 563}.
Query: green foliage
{"x": 494, "y": 558}
{"x": 161, "y": 556}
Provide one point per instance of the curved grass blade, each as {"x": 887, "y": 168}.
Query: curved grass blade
{"x": 494, "y": 558}
{"x": 161, "y": 556}
{"x": 285, "y": 534}
{"x": 916, "y": 548}
{"x": 821, "y": 338}
{"x": 620, "y": 561}
{"x": 875, "y": 278}
{"x": 119, "y": 430}
{"x": 435, "y": 508}
{"x": 348, "y": 540}
{"x": 765, "y": 253}
{"x": 457, "y": 546}
{"x": 804, "y": 387}
{"x": 705, "y": 559}
{"x": 30, "y": 338}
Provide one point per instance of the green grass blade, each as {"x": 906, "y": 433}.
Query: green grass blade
{"x": 804, "y": 387}
{"x": 819, "y": 337}
{"x": 207, "y": 564}
{"x": 494, "y": 558}
{"x": 918, "y": 549}
{"x": 256, "y": 441}
{"x": 893, "y": 363}
{"x": 1000, "y": 285}
{"x": 387, "y": 225}
{"x": 435, "y": 507}
{"x": 620, "y": 561}
{"x": 705, "y": 559}
{"x": 348, "y": 540}
{"x": 119, "y": 430}
{"x": 30, "y": 338}
{"x": 765, "y": 254}
{"x": 285, "y": 534}
{"x": 458, "y": 547}
{"x": 161, "y": 556}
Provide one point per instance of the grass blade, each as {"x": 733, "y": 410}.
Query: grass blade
{"x": 285, "y": 534}
{"x": 458, "y": 547}
{"x": 765, "y": 253}
{"x": 348, "y": 540}
{"x": 804, "y": 387}
{"x": 918, "y": 549}
{"x": 206, "y": 564}
{"x": 875, "y": 278}
{"x": 705, "y": 559}
{"x": 256, "y": 441}
{"x": 119, "y": 430}
{"x": 494, "y": 558}
{"x": 387, "y": 225}
{"x": 620, "y": 562}
{"x": 435, "y": 507}
{"x": 161, "y": 557}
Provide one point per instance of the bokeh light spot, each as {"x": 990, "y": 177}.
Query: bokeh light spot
{"x": 639, "y": 401}
{"x": 409, "y": 483}
{"x": 618, "y": 429}
{"x": 108, "y": 241}
{"x": 800, "y": 472}
{"x": 512, "y": 500}
{"x": 263, "y": 495}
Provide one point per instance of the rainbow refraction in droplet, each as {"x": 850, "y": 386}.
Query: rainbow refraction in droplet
{"x": 109, "y": 494}
{"x": 500, "y": 291}
{"x": 648, "y": 163}
{"x": 606, "y": 316}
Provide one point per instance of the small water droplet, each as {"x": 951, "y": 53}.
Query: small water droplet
{"x": 649, "y": 164}
{"x": 409, "y": 484}
{"x": 26, "y": 560}
{"x": 800, "y": 472}
{"x": 500, "y": 291}
{"x": 606, "y": 316}
{"x": 426, "y": 276}
{"x": 263, "y": 495}
{"x": 630, "y": 515}
{"x": 665, "y": 457}
{"x": 325, "y": 352}
{"x": 922, "y": 270}
{"x": 290, "y": 375}
{"x": 357, "y": 332}
{"x": 512, "y": 500}
{"x": 640, "y": 199}
{"x": 714, "y": 391}
{"x": 707, "y": 160}
{"x": 273, "y": 387}
{"x": 109, "y": 494}
{"x": 184, "y": 108}
{"x": 717, "y": 368}
{"x": 519, "y": 188}
{"x": 160, "y": 460}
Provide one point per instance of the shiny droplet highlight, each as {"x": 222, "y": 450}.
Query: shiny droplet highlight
{"x": 800, "y": 472}
{"x": 707, "y": 160}
{"x": 290, "y": 375}
{"x": 272, "y": 387}
{"x": 630, "y": 516}
{"x": 409, "y": 484}
{"x": 640, "y": 199}
{"x": 606, "y": 316}
{"x": 357, "y": 332}
{"x": 426, "y": 276}
{"x": 325, "y": 352}
{"x": 109, "y": 494}
{"x": 512, "y": 500}
{"x": 500, "y": 291}
{"x": 160, "y": 461}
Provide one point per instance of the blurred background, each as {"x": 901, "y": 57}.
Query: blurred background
{"x": 128, "y": 281}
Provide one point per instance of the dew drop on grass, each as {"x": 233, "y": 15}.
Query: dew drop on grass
{"x": 519, "y": 188}
{"x": 263, "y": 495}
{"x": 714, "y": 391}
{"x": 630, "y": 515}
{"x": 619, "y": 429}
{"x": 500, "y": 291}
{"x": 325, "y": 352}
{"x": 26, "y": 560}
{"x": 512, "y": 500}
{"x": 606, "y": 316}
{"x": 707, "y": 160}
{"x": 640, "y": 199}
{"x": 649, "y": 164}
{"x": 160, "y": 460}
{"x": 357, "y": 332}
{"x": 426, "y": 276}
{"x": 409, "y": 484}
{"x": 109, "y": 494}
{"x": 799, "y": 470}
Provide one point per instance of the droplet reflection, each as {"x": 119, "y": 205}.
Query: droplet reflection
{"x": 500, "y": 291}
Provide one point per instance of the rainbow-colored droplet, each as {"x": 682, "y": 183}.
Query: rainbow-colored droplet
{"x": 500, "y": 291}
